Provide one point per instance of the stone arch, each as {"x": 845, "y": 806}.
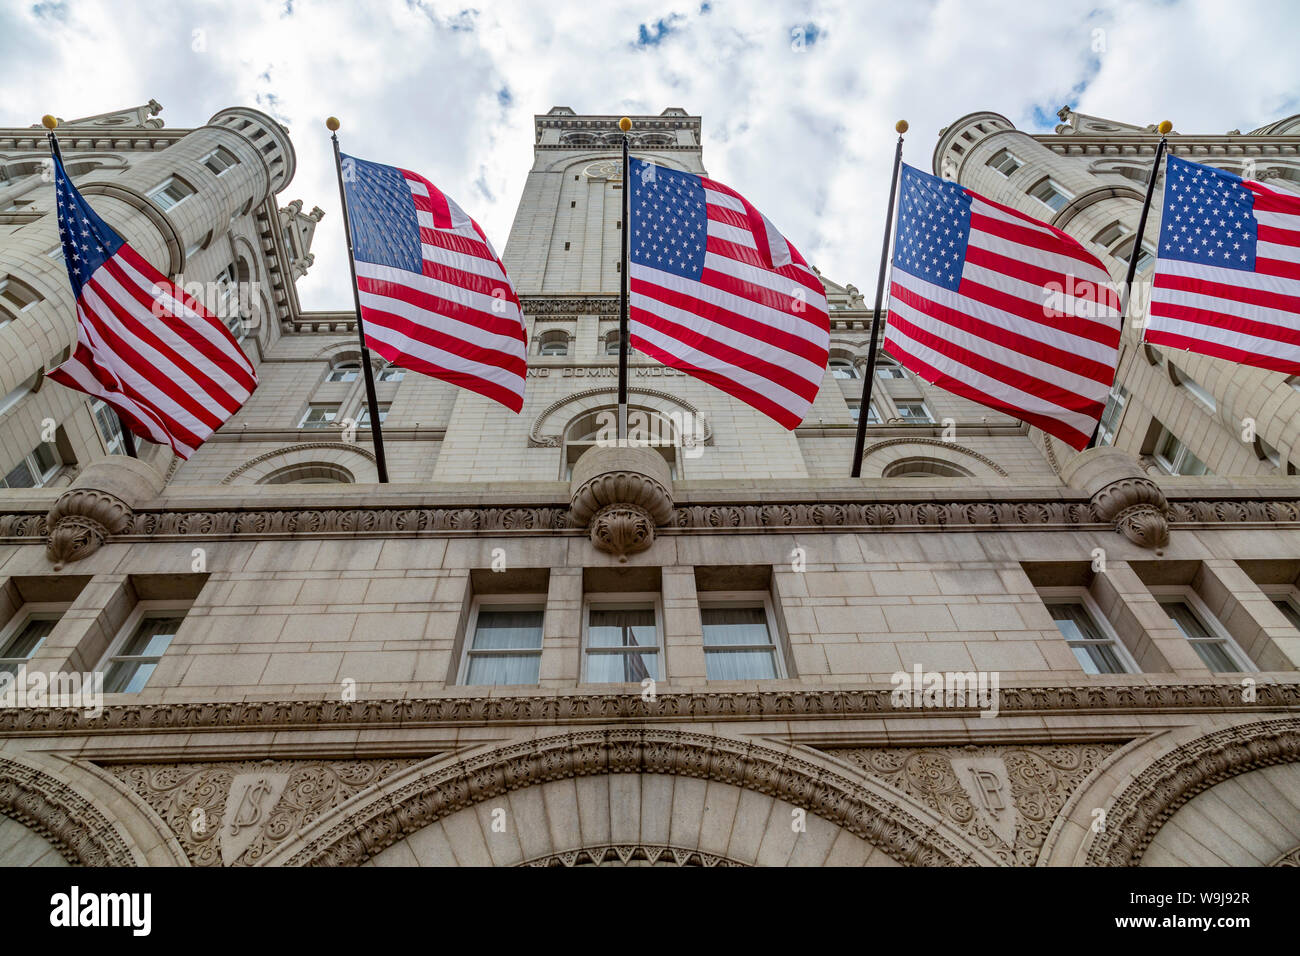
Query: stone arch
{"x": 326, "y": 456}
{"x": 569, "y": 164}
{"x": 878, "y": 458}
{"x": 893, "y": 823}
{"x": 556, "y": 416}
{"x": 64, "y": 817}
{"x": 1156, "y": 792}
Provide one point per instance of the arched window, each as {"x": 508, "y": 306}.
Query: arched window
{"x": 611, "y": 342}
{"x": 843, "y": 368}
{"x": 645, "y": 426}
{"x": 343, "y": 372}
{"x": 309, "y": 473}
{"x": 554, "y": 342}
{"x": 924, "y": 468}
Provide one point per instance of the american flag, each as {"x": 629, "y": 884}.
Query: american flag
{"x": 1227, "y": 277}
{"x": 168, "y": 367}
{"x": 716, "y": 291}
{"x": 1000, "y": 308}
{"x": 434, "y": 296}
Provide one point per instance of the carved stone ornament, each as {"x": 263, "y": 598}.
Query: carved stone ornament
{"x": 1122, "y": 495}
{"x": 621, "y": 494}
{"x": 99, "y": 505}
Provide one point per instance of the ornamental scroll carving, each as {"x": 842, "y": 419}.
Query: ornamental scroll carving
{"x": 621, "y": 494}
{"x": 1006, "y": 798}
{"x": 232, "y": 813}
{"x": 81, "y": 521}
{"x": 1138, "y": 510}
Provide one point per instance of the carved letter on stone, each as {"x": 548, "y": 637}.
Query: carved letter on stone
{"x": 985, "y": 780}
{"x": 252, "y": 798}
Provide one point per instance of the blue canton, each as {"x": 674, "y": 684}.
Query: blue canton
{"x": 87, "y": 240}
{"x": 1208, "y": 217}
{"x": 669, "y": 220}
{"x": 933, "y": 228}
{"x": 381, "y": 210}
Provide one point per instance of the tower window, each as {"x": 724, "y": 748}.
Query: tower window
{"x": 1004, "y": 162}
{"x": 220, "y": 159}
{"x": 1050, "y": 194}
{"x": 171, "y": 192}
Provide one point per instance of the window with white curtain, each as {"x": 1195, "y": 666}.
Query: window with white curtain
{"x": 739, "y": 642}
{"x": 1087, "y": 632}
{"x": 504, "y": 645}
{"x": 622, "y": 643}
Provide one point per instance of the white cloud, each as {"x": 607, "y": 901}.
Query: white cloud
{"x": 801, "y": 124}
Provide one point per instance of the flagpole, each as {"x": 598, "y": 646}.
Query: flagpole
{"x": 864, "y": 409}
{"x": 624, "y": 124}
{"x": 1136, "y": 251}
{"x": 128, "y": 436}
{"x": 376, "y": 431}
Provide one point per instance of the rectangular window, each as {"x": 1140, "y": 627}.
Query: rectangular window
{"x": 505, "y": 643}
{"x": 110, "y": 428}
{"x": 364, "y": 417}
{"x": 622, "y": 643}
{"x": 1004, "y": 162}
{"x": 738, "y": 642}
{"x": 1050, "y": 195}
{"x": 319, "y": 416}
{"x": 18, "y": 648}
{"x": 1287, "y": 605}
{"x": 1175, "y": 458}
{"x": 1193, "y": 388}
{"x": 1204, "y": 632}
{"x": 220, "y": 159}
{"x": 1089, "y": 636}
{"x": 134, "y": 662}
{"x": 914, "y": 412}
{"x": 873, "y": 416}
{"x": 392, "y": 373}
{"x": 1111, "y": 415}
{"x": 17, "y": 294}
{"x": 887, "y": 370}
{"x": 173, "y": 191}
{"x": 34, "y": 470}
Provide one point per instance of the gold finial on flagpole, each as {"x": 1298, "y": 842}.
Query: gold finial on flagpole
{"x": 900, "y": 127}
{"x": 1164, "y": 127}
{"x": 625, "y": 124}
{"x": 48, "y": 121}
{"x": 332, "y": 124}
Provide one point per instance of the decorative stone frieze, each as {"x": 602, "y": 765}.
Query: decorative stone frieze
{"x": 76, "y": 827}
{"x": 1122, "y": 495}
{"x": 621, "y": 493}
{"x": 97, "y": 506}
{"x": 1007, "y": 798}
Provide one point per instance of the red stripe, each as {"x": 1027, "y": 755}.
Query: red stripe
{"x": 1207, "y": 347}
{"x": 435, "y": 203}
{"x": 231, "y": 357}
{"x": 439, "y": 339}
{"x": 1229, "y": 293}
{"x": 1288, "y": 334}
{"x": 1064, "y": 398}
{"x": 469, "y": 281}
{"x": 181, "y": 326}
{"x": 743, "y": 254}
{"x": 1040, "y": 276}
{"x": 454, "y": 241}
{"x": 1277, "y": 267}
{"x": 1268, "y": 201}
{"x": 745, "y": 325}
{"x": 1039, "y": 314}
{"x": 784, "y": 303}
{"x": 1024, "y": 236}
{"x": 153, "y": 428}
{"x": 126, "y": 353}
{"x": 1023, "y": 217}
{"x": 733, "y": 388}
{"x": 439, "y": 307}
{"x": 1005, "y": 337}
{"x": 1052, "y": 426}
{"x": 498, "y": 393}
{"x": 691, "y": 339}
{"x": 1283, "y": 237}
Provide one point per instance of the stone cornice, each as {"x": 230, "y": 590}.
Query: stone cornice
{"x": 188, "y": 717}
{"x": 341, "y": 518}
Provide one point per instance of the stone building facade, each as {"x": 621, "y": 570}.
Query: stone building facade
{"x": 712, "y": 648}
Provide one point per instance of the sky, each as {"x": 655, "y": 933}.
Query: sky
{"x": 798, "y": 99}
